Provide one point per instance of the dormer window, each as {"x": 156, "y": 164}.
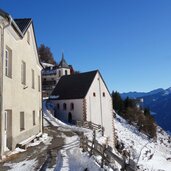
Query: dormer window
{"x": 28, "y": 37}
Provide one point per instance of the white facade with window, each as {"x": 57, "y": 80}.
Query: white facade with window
{"x": 51, "y": 75}
{"x": 18, "y": 99}
{"x": 91, "y": 103}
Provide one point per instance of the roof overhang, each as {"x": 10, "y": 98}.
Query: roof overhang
{"x": 8, "y": 17}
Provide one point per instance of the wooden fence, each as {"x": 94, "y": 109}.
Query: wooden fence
{"x": 89, "y": 125}
{"x": 107, "y": 156}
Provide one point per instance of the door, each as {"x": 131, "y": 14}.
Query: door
{"x": 5, "y": 130}
{"x": 70, "y": 117}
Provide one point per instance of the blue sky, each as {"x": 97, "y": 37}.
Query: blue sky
{"x": 129, "y": 41}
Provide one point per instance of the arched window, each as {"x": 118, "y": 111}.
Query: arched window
{"x": 94, "y": 94}
{"x": 66, "y": 72}
{"x": 72, "y": 106}
{"x": 103, "y": 94}
{"x": 64, "y": 106}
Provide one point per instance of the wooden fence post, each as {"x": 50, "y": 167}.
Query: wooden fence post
{"x": 104, "y": 149}
{"x": 93, "y": 141}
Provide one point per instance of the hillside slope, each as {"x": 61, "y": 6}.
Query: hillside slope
{"x": 149, "y": 155}
{"x": 159, "y": 102}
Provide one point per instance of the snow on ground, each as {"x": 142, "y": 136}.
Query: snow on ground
{"x": 55, "y": 122}
{"x": 17, "y": 150}
{"x": 148, "y": 154}
{"x": 45, "y": 139}
{"x": 71, "y": 156}
{"x": 25, "y": 165}
{"x": 75, "y": 160}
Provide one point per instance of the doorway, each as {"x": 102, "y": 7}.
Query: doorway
{"x": 7, "y": 130}
{"x": 70, "y": 117}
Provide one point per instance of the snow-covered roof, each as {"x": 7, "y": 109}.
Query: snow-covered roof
{"x": 47, "y": 64}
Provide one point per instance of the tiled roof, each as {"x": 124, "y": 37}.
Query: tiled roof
{"x": 74, "y": 86}
{"x": 23, "y": 24}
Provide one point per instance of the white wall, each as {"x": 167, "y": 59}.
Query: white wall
{"x": 15, "y": 97}
{"x": 77, "y": 113}
{"x": 99, "y": 108}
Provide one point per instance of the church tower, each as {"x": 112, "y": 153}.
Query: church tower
{"x": 63, "y": 68}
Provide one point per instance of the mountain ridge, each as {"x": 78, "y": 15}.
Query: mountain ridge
{"x": 159, "y": 102}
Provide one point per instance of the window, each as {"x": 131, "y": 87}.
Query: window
{"x": 72, "y": 106}
{"x": 28, "y": 37}
{"x": 64, "y": 106}
{"x": 103, "y": 94}
{"x": 32, "y": 73}
{"x": 58, "y": 106}
{"x": 66, "y": 73}
{"x": 22, "y": 122}
{"x": 34, "y": 118}
{"x": 94, "y": 94}
{"x": 59, "y": 73}
{"x": 39, "y": 83}
{"x": 23, "y": 73}
{"x": 8, "y": 63}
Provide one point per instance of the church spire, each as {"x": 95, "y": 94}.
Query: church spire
{"x": 63, "y": 55}
{"x": 63, "y": 63}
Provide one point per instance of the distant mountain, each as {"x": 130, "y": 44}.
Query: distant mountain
{"x": 134, "y": 95}
{"x": 159, "y": 102}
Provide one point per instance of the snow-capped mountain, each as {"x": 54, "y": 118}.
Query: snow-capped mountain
{"x": 148, "y": 154}
{"x": 134, "y": 95}
{"x": 159, "y": 102}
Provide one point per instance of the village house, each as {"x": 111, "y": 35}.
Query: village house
{"x": 85, "y": 97}
{"x": 52, "y": 73}
{"x": 20, "y": 83}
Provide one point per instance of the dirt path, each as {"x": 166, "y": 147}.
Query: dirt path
{"x": 44, "y": 154}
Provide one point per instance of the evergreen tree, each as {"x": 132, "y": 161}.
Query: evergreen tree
{"x": 117, "y": 102}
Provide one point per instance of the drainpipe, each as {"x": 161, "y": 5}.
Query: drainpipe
{"x": 100, "y": 103}
{"x": 1, "y": 100}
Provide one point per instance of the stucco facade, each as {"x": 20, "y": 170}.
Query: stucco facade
{"x": 91, "y": 99}
{"x": 51, "y": 75}
{"x": 21, "y": 102}
{"x": 99, "y": 107}
{"x": 73, "y": 109}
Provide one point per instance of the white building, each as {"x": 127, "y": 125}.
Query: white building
{"x": 52, "y": 73}
{"x": 20, "y": 83}
{"x": 85, "y": 97}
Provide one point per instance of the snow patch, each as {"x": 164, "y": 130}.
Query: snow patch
{"x": 148, "y": 154}
{"x": 25, "y": 165}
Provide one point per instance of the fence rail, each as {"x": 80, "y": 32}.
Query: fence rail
{"x": 105, "y": 151}
{"x": 89, "y": 125}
